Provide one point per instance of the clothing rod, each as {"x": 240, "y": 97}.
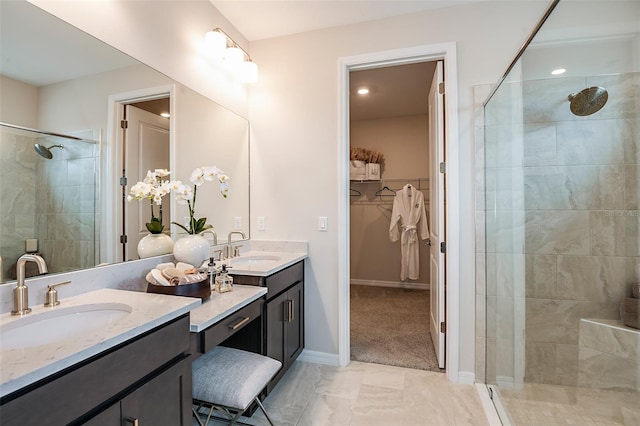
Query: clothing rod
{"x": 390, "y": 180}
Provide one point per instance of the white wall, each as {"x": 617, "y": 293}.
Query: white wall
{"x": 294, "y": 116}
{"x": 294, "y": 113}
{"x": 19, "y": 102}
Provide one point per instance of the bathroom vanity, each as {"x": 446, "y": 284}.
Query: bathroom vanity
{"x": 136, "y": 367}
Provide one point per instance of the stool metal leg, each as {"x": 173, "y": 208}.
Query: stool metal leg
{"x": 264, "y": 411}
{"x": 195, "y": 414}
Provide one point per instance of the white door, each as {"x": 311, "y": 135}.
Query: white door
{"x": 146, "y": 147}
{"x": 436, "y": 213}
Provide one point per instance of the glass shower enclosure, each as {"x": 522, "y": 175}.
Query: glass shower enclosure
{"x": 561, "y": 212}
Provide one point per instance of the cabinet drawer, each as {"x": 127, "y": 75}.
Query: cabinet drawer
{"x": 284, "y": 279}
{"x": 219, "y": 332}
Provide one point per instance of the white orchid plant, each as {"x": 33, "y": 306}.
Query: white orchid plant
{"x": 157, "y": 184}
{"x": 186, "y": 196}
{"x": 154, "y": 186}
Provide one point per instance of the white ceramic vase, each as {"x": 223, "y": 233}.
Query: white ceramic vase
{"x": 154, "y": 245}
{"x": 192, "y": 249}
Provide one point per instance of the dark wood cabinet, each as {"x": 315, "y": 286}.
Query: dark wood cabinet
{"x": 283, "y": 332}
{"x": 162, "y": 401}
{"x": 147, "y": 378}
{"x": 285, "y": 328}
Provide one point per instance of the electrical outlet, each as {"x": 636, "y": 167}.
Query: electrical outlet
{"x": 261, "y": 224}
{"x": 322, "y": 223}
{"x": 237, "y": 221}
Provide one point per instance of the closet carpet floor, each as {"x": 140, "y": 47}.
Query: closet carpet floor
{"x": 390, "y": 326}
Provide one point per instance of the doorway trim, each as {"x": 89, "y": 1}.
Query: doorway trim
{"x": 112, "y": 152}
{"x": 426, "y": 53}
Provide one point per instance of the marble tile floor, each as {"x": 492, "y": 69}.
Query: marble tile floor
{"x": 549, "y": 405}
{"x": 368, "y": 394}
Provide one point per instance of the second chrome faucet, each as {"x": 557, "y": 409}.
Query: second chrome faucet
{"x": 229, "y": 248}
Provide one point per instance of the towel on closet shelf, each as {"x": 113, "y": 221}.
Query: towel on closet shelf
{"x": 407, "y": 218}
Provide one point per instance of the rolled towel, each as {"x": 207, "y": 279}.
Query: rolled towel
{"x": 160, "y": 279}
{"x": 163, "y": 266}
{"x": 183, "y": 266}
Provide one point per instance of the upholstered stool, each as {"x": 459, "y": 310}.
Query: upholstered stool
{"x": 231, "y": 379}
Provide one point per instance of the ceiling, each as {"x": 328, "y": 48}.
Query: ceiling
{"x": 261, "y": 19}
{"x": 395, "y": 91}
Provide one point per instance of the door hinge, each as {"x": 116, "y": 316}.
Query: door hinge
{"x": 123, "y": 181}
{"x": 443, "y": 167}
{"x": 123, "y": 239}
{"x": 441, "y": 88}
{"x": 443, "y": 327}
{"x": 443, "y": 247}
{"x": 124, "y": 124}
{"x": 490, "y": 393}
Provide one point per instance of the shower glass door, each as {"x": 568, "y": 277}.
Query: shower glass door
{"x": 562, "y": 227}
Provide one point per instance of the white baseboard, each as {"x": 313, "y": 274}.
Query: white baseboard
{"x": 319, "y": 358}
{"x": 393, "y": 284}
{"x": 466, "y": 377}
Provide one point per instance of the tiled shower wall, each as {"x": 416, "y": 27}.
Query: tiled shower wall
{"x": 52, "y": 200}
{"x": 17, "y": 196}
{"x": 563, "y": 194}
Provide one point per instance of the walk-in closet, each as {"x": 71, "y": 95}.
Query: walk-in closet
{"x": 389, "y": 216}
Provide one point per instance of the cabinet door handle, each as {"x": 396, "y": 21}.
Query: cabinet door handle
{"x": 240, "y": 323}
{"x": 134, "y": 422}
{"x": 288, "y": 315}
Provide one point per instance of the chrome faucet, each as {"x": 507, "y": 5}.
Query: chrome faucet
{"x": 21, "y": 292}
{"x": 230, "y": 253}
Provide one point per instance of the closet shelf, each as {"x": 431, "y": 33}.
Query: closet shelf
{"x": 420, "y": 182}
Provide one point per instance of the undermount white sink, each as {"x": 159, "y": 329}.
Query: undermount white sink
{"x": 255, "y": 259}
{"x": 59, "y": 323}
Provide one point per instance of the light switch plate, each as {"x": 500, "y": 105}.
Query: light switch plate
{"x": 322, "y": 223}
{"x": 237, "y": 222}
{"x": 261, "y": 224}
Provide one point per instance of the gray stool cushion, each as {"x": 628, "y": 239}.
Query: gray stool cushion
{"x": 231, "y": 377}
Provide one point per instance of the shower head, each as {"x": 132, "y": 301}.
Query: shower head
{"x": 45, "y": 152}
{"x": 588, "y": 101}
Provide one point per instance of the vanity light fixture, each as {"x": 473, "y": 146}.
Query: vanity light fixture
{"x": 221, "y": 46}
{"x": 363, "y": 91}
{"x": 558, "y": 71}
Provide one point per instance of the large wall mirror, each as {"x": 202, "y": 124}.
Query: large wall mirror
{"x": 60, "y": 194}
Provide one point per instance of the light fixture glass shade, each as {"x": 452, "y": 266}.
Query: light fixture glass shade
{"x": 216, "y": 43}
{"x": 249, "y": 72}
{"x": 234, "y": 56}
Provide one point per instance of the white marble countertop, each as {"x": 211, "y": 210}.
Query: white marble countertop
{"x": 218, "y": 306}
{"x": 22, "y": 366}
{"x": 262, "y": 263}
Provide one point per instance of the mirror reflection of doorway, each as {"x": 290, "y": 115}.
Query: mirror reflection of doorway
{"x": 146, "y": 137}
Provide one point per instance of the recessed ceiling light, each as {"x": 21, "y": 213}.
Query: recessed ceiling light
{"x": 363, "y": 91}
{"x": 558, "y": 71}
{"x": 165, "y": 114}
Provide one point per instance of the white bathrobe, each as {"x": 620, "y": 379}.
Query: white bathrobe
{"x": 408, "y": 210}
